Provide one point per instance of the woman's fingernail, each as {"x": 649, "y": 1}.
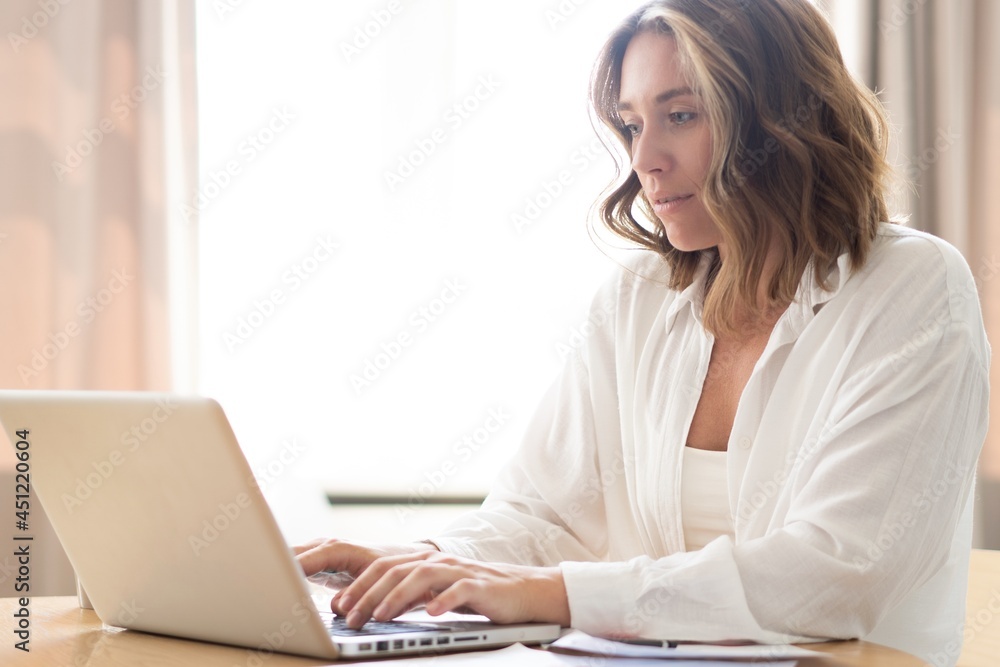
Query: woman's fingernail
{"x": 379, "y": 612}
{"x": 354, "y": 619}
{"x": 345, "y": 602}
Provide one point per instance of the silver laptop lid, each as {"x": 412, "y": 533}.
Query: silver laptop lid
{"x": 162, "y": 519}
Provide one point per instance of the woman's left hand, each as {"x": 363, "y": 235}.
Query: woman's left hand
{"x": 504, "y": 593}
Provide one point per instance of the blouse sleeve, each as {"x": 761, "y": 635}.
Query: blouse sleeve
{"x": 547, "y": 504}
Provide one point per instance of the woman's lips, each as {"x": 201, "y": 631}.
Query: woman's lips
{"x": 668, "y": 205}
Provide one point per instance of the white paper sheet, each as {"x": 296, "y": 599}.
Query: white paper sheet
{"x": 579, "y": 641}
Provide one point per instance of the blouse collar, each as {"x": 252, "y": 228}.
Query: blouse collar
{"x": 809, "y": 298}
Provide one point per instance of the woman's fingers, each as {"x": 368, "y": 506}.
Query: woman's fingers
{"x": 336, "y": 556}
{"x": 403, "y": 587}
{"x": 350, "y": 557}
{"x": 356, "y": 560}
{"x": 463, "y": 596}
{"x": 315, "y": 557}
{"x": 299, "y": 548}
{"x": 420, "y": 583}
{"x": 391, "y": 585}
{"x": 443, "y": 583}
{"x": 380, "y": 575}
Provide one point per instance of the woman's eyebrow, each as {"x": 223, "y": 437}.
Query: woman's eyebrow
{"x": 660, "y": 99}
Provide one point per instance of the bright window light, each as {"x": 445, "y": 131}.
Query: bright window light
{"x": 394, "y": 254}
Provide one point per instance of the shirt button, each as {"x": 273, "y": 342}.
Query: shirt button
{"x": 745, "y": 442}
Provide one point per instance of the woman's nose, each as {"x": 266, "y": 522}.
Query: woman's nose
{"x": 649, "y": 154}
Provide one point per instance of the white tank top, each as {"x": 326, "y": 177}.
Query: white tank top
{"x": 705, "y": 513}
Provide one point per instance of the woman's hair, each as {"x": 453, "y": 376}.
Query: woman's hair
{"x": 798, "y": 147}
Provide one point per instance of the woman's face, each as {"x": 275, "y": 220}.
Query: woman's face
{"x": 671, "y": 143}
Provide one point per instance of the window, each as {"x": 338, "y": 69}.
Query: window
{"x": 394, "y": 254}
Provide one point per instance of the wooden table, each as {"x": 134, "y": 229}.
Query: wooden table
{"x": 982, "y": 607}
{"x": 63, "y": 634}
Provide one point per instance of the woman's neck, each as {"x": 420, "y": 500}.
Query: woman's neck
{"x": 761, "y": 322}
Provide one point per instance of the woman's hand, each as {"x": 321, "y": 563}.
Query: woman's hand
{"x": 351, "y": 557}
{"x": 391, "y": 585}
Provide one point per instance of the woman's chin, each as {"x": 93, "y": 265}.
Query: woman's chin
{"x": 686, "y": 239}
{"x": 690, "y": 245}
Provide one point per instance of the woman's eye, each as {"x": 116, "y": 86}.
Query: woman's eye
{"x": 682, "y": 117}
{"x": 632, "y": 129}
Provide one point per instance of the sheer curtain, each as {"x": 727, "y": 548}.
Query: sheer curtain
{"x": 97, "y": 135}
{"x": 936, "y": 64}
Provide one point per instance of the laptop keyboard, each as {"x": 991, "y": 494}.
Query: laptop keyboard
{"x": 337, "y": 626}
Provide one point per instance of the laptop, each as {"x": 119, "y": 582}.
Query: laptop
{"x": 162, "y": 519}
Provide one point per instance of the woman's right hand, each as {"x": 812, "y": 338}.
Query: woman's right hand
{"x": 351, "y": 557}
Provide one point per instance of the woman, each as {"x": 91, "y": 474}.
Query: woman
{"x": 774, "y": 436}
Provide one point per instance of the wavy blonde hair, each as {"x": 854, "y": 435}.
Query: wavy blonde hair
{"x": 798, "y": 147}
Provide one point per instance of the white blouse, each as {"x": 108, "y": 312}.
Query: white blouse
{"x": 704, "y": 497}
{"x": 850, "y": 465}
